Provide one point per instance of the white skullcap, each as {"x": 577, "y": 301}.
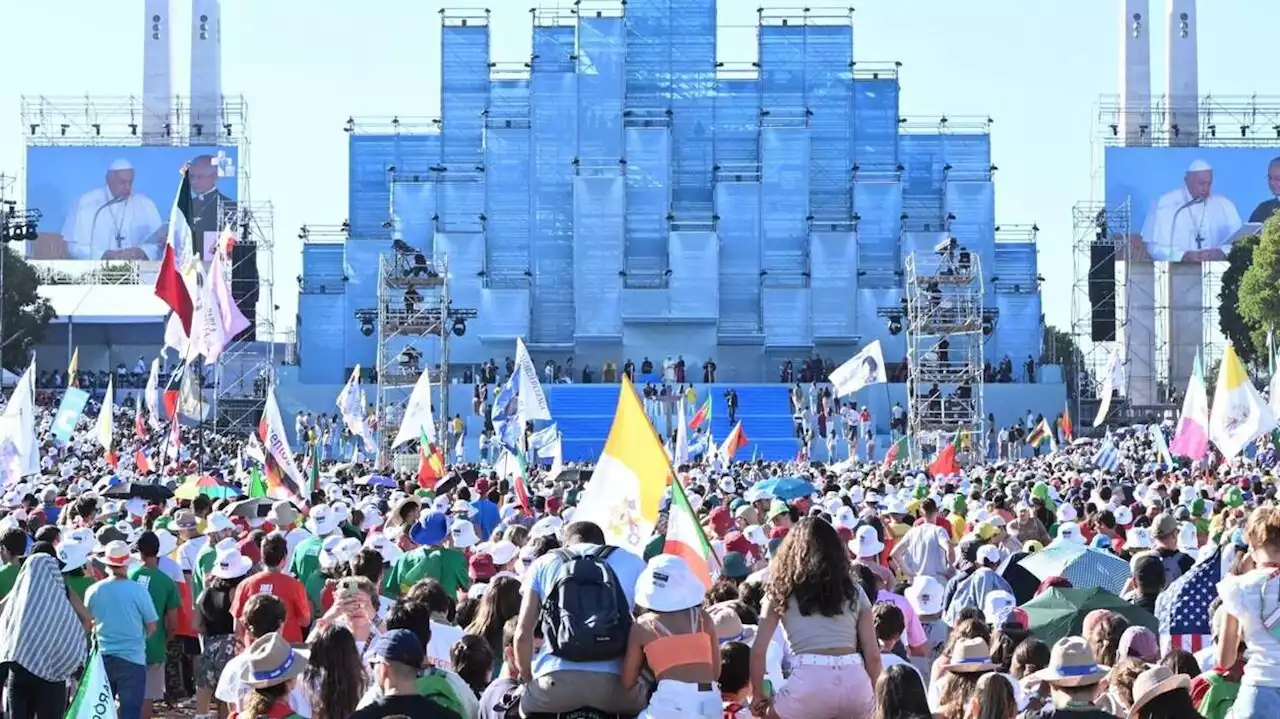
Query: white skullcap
{"x": 1199, "y": 166}
{"x": 121, "y": 164}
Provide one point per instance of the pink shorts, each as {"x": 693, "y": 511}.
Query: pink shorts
{"x": 823, "y": 687}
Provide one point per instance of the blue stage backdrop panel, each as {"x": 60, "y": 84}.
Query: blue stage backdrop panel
{"x": 784, "y": 205}
{"x": 828, "y": 54}
{"x": 601, "y": 88}
{"x": 599, "y": 206}
{"x": 369, "y": 159}
{"x": 878, "y": 204}
{"x": 648, "y": 203}
{"x": 974, "y": 205}
{"x": 693, "y": 82}
{"x": 553, "y": 106}
{"x": 464, "y": 92}
{"x": 1019, "y": 331}
{"x": 695, "y": 269}
{"x": 875, "y": 124}
{"x": 738, "y": 204}
{"x": 835, "y": 266}
{"x": 786, "y": 318}
{"x": 415, "y": 209}
{"x": 737, "y": 126}
{"x": 92, "y": 212}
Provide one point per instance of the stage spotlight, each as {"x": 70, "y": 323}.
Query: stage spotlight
{"x": 895, "y": 325}
{"x": 64, "y": 129}
{"x": 459, "y": 327}
{"x": 366, "y": 327}
{"x": 32, "y": 233}
{"x": 988, "y": 326}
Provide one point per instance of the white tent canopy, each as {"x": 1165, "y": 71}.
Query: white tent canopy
{"x": 105, "y": 304}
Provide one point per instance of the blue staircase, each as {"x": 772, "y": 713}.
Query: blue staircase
{"x": 765, "y": 413}
{"x": 584, "y": 413}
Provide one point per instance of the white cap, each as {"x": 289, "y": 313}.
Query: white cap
{"x": 118, "y": 165}
{"x": 1199, "y": 166}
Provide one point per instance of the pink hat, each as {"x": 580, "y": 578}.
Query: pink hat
{"x": 1139, "y": 642}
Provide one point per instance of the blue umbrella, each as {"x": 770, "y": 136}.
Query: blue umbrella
{"x": 375, "y": 480}
{"x": 784, "y": 488}
{"x": 1083, "y": 566}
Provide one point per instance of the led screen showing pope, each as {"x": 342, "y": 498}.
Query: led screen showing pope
{"x": 113, "y": 203}
{"x": 1185, "y": 202}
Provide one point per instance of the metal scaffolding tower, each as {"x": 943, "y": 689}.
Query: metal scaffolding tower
{"x": 414, "y": 321}
{"x": 946, "y": 326}
{"x": 245, "y": 370}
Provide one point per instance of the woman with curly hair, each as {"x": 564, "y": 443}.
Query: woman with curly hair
{"x": 827, "y": 620}
{"x": 335, "y": 678}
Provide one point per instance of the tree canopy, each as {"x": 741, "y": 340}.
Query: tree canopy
{"x": 26, "y": 314}
{"x": 1234, "y": 327}
{"x": 1258, "y": 298}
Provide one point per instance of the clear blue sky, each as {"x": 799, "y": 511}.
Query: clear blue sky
{"x": 1037, "y": 67}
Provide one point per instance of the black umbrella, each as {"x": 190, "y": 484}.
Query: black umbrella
{"x": 139, "y": 490}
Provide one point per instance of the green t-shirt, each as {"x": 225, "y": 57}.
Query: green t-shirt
{"x": 204, "y": 564}
{"x": 447, "y": 566}
{"x": 78, "y": 583}
{"x": 164, "y": 595}
{"x": 314, "y": 585}
{"x": 8, "y": 578}
{"x": 306, "y": 558}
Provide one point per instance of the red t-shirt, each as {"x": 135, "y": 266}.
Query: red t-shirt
{"x": 297, "y": 608}
{"x": 939, "y": 520}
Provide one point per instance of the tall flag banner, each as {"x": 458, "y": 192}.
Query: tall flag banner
{"x": 105, "y": 423}
{"x": 685, "y": 538}
{"x": 1191, "y": 439}
{"x": 681, "y": 451}
{"x": 254, "y": 451}
{"x": 556, "y": 451}
{"x": 623, "y": 495}
{"x": 1162, "y": 449}
{"x": 1068, "y": 429}
{"x": 418, "y": 420}
{"x": 512, "y": 465}
{"x": 171, "y": 286}
{"x": 173, "y": 446}
{"x": 544, "y": 437}
{"x": 531, "y": 402}
{"x": 73, "y": 367}
{"x": 864, "y": 368}
{"x": 151, "y": 393}
{"x": 736, "y": 440}
{"x": 897, "y": 452}
{"x": 1239, "y": 414}
{"x": 1273, "y": 388}
{"x": 284, "y": 480}
{"x": 191, "y": 402}
{"x": 1107, "y": 458}
{"x": 69, "y": 411}
{"x": 430, "y": 462}
{"x": 1040, "y": 434}
{"x": 139, "y": 420}
{"x": 142, "y": 463}
{"x": 313, "y": 467}
{"x": 351, "y": 405}
{"x": 1182, "y": 609}
{"x": 702, "y": 416}
{"x": 218, "y": 321}
{"x": 93, "y": 699}
{"x": 1112, "y": 380}
{"x": 21, "y": 413}
{"x": 945, "y": 463}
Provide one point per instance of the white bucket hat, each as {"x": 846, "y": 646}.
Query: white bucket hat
{"x": 925, "y": 595}
{"x": 231, "y": 565}
{"x": 463, "y": 533}
{"x": 73, "y": 555}
{"x": 379, "y": 543}
{"x": 668, "y": 584}
{"x": 218, "y": 522}
{"x": 322, "y": 520}
{"x": 337, "y": 550}
{"x": 865, "y": 543}
{"x": 502, "y": 552}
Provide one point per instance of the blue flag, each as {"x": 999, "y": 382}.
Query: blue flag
{"x": 64, "y": 422}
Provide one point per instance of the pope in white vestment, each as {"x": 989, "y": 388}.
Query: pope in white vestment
{"x": 1190, "y": 223}
{"x": 114, "y": 222}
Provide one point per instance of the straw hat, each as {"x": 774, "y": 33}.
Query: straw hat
{"x": 272, "y": 661}
{"x": 668, "y": 584}
{"x": 1071, "y": 664}
{"x": 1152, "y": 683}
{"x": 971, "y": 655}
{"x": 728, "y": 624}
{"x": 116, "y": 554}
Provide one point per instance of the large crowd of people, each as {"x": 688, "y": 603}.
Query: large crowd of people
{"x": 1030, "y": 586}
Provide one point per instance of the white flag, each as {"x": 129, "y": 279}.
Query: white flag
{"x": 351, "y": 405}
{"x": 1239, "y": 415}
{"x": 282, "y": 470}
{"x": 681, "y": 452}
{"x": 1112, "y": 380}
{"x": 104, "y": 424}
{"x": 557, "y": 457}
{"x": 151, "y": 393}
{"x": 21, "y": 410}
{"x": 860, "y": 370}
{"x": 93, "y": 699}
{"x": 531, "y": 402}
{"x": 417, "y": 414}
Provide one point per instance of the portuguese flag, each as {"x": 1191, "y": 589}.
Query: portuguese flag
{"x": 897, "y": 452}
{"x": 703, "y": 415}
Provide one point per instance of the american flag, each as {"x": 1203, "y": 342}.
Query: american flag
{"x": 1183, "y": 607}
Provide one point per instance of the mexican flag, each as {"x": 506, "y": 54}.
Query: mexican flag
{"x": 93, "y": 699}
{"x": 685, "y": 538}
{"x": 703, "y": 415}
{"x": 897, "y": 452}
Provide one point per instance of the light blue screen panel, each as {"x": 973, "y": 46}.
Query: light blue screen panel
{"x": 737, "y": 124}
{"x": 321, "y": 325}
{"x": 693, "y": 82}
{"x": 464, "y": 91}
{"x": 974, "y": 205}
{"x": 554, "y": 136}
{"x": 969, "y": 155}
{"x": 369, "y": 183}
{"x": 599, "y": 206}
{"x": 415, "y": 204}
{"x": 504, "y": 315}
{"x": 648, "y": 54}
{"x": 835, "y": 274}
{"x": 782, "y": 69}
{"x": 1015, "y": 265}
{"x": 922, "y": 155}
{"x": 648, "y": 202}
{"x": 601, "y": 88}
{"x": 738, "y": 204}
{"x": 828, "y": 52}
{"x": 875, "y": 125}
{"x": 879, "y": 206}
{"x": 465, "y": 252}
{"x": 873, "y": 327}
{"x": 695, "y": 265}
{"x": 507, "y": 230}
{"x": 361, "y": 255}
{"x": 1018, "y": 332}
{"x": 784, "y": 205}
{"x": 786, "y": 317}
{"x": 322, "y": 263}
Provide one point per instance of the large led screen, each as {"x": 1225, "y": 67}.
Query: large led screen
{"x": 1190, "y": 204}
{"x": 113, "y": 203}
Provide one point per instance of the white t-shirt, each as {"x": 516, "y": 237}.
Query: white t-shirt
{"x": 443, "y": 637}
{"x": 232, "y": 689}
{"x": 188, "y": 551}
{"x": 1251, "y": 597}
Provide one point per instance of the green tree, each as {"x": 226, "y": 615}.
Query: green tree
{"x": 1233, "y": 326}
{"x": 26, "y": 314}
{"x": 1060, "y": 348}
{"x": 1258, "y": 299}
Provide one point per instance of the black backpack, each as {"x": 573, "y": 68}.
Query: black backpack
{"x": 585, "y": 615}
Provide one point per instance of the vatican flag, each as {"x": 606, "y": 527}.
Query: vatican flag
{"x": 1239, "y": 413}
{"x": 623, "y": 495}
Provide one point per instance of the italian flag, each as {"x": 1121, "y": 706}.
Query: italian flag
{"x": 513, "y": 464}
{"x": 897, "y": 452}
{"x": 685, "y": 538}
{"x": 702, "y": 415}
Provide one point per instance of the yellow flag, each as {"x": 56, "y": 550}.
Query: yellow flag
{"x": 72, "y": 367}
{"x": 623, "y": 495}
